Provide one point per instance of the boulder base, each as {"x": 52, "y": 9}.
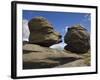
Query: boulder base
{"x": 36, "y": 57}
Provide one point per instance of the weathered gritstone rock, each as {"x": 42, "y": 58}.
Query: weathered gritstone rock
{"x": 36, "y": 57}
{"x": 76, "y": 63}
{"x": 77, "y": 39}
{"x": 42, "y": 32}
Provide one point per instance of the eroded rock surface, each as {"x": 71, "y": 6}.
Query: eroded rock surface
{"x": 36, "y": 57}
{"x": 42, "y": 32}
{"x": 77, "y": 39}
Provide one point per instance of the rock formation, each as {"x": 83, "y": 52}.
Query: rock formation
{"x": 77, "y": 39}
{"x": 42, "y": 32}
{"x": 36, "y": 56}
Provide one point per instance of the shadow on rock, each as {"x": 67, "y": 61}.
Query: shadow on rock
{"x": 48, "y": 63}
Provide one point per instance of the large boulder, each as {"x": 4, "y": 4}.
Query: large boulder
{"x": 42, "y": 32}
{"x": 36, "y": 56}
{"x": 77, "y": 39}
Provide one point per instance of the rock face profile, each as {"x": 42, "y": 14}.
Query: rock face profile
{"x": 77, "y": 39}
{"x": 42, "y": 32}
{"x": 36, "y": 57}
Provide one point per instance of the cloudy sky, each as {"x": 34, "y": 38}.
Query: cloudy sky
{"x": 60, "y": 20}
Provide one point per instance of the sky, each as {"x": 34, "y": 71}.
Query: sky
{"x": 60, "y": 20}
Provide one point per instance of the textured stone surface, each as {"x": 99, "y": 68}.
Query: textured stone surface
{"x": 77, "y": 39}
{"x": 42, "y": 32}
{"x": 36, "y": 56}
{"x": 76, "y": 63}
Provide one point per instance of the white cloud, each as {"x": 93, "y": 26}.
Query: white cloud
{"x": 59, "y": 46}
{"x": 87, "y": 17}
{"x": 25, "y": 30}
{"x": 66, "y": 28}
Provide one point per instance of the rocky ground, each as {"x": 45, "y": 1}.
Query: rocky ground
{"x": 36, "y": 57}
